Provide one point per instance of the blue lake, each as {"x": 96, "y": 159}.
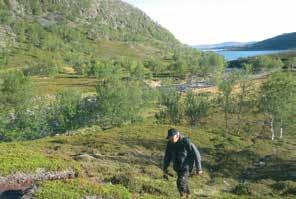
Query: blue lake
{"x": 234, "y": 55}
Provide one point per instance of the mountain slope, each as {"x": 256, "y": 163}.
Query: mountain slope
{"x": 109, "y": 19}
{"x": 281, "y": 42}
{"x": 46, "y": 38}
{"x": 72, "y": 32}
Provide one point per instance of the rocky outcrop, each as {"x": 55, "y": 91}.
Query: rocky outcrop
{"x": 7, "y": 38}
{"x": 23, "y": 181}
{"x": 109, "y": 19}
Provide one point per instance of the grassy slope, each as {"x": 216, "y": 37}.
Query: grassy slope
{"x": 119, "y": 30}
{"x": 108, "y": 49}
{"x": 126, "y": 156}
{"x": 48, "y": 86}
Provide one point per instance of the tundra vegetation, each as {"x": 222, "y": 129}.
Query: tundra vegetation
{"x": 76, "y": 91}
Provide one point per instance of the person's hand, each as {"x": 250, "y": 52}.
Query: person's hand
{"x": 196, "y": 173}
{"x": 165, "y": 176}
{"x": 199, "y": 173}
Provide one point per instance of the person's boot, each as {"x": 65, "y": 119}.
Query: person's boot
{"x": 182, "y": 195}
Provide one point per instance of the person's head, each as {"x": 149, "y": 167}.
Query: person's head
{"x": 173, "y": 135}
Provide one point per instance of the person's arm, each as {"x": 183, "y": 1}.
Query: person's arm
{"x": 197, "y": 157}
{"x": 191, "y": 148}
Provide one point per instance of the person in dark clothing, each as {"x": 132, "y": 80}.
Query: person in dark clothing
{"x": 185, "y": 156}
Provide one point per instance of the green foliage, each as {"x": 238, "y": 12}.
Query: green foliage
{"x": 180, "y": 67}
{"x": 153, "y": 64}
{"x": 5, "y": 16}
{"x": 23, "y": 158}
{"x": 142, "y": 27}
{"x": 290, "y": 62}
{"x": 266, "y": 62}
{"x": 35, "y": 6}
{"x": 285, "y": 187}
{"x": 171, "y": 99}
{"x": 255, "y": 190}
{"x": 119, "y": 102}
{"x": 65, "y": 111}
{"x": 47, "y": 68}
{"x": 187, "y": 62}
{"x": 79, "y": 188}
{"x": 226, "y": 87}
{"x": 42, "y": 118}
{"x": 260, "y": 63}
{"x": 20, "y": 117}
{"x": 66, "y": 36}
{"x": 277, "y": 92}
{"x": 212, "y": 63}
{"x": 104, "y": 69}
{"x": 278, "y": 99}
{"x": 3, "y": 60}
{"x": 196, "y": 106}
{"x": 35, "y": 33}
{"x": 130, "y": 157}
{"x": 245, "y": 97}
{"x": 116, "y": 69}
{"x": 139, "y": 72}
{"x": 16, "y": 90}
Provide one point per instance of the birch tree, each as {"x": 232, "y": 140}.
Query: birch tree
{"x": 226, "y": 88}
{"x": 246, "y": 88}
{"x": 277, "y": 99}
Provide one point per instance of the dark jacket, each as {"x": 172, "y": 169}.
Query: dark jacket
{"x": 183, "y": 154}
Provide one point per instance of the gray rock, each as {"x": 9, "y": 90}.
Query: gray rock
{"x": 84, "y": 157}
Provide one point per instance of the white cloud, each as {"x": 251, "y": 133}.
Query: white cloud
{"x": 212, "y": 21}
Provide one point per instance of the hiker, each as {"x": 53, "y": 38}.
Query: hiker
{"x": 185, "y": 156}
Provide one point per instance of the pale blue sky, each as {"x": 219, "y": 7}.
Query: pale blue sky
{"x": 214, "y": 21}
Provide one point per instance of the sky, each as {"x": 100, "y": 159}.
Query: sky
{"x": 215, "y": 21}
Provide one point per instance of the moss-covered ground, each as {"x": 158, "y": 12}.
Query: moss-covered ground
{"x": 125, "y": 163}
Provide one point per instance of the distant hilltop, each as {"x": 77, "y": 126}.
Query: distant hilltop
{"x": 224, "y": 45}
{"x": 285, "y": 41}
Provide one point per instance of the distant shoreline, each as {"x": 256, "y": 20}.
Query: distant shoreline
{"x": 231, "y": 55}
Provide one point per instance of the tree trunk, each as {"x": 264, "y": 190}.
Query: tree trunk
{"x": 239, "y": 116}
{"x": 272, "y": 128}
{"x": 282, "y": 130}
{"x": 281, "y": 133}
{"x": 238, "y": 123}
{"x": 226, "y": 113}
{"x": 242, "y": 97}
{"x": 226, "y": 121}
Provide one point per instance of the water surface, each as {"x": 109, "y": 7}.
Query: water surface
{"x": 234, "y": 55}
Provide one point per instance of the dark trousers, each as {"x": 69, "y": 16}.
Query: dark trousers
{"x": 182, "y": 182}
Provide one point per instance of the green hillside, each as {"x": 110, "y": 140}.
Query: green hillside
{"x": 70, "y": 32}
{"x": 112, "y": 19}
{"x": 124, "y": 163}
{"x": 282, "y": 42}
{"x": 65, "y": 41}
